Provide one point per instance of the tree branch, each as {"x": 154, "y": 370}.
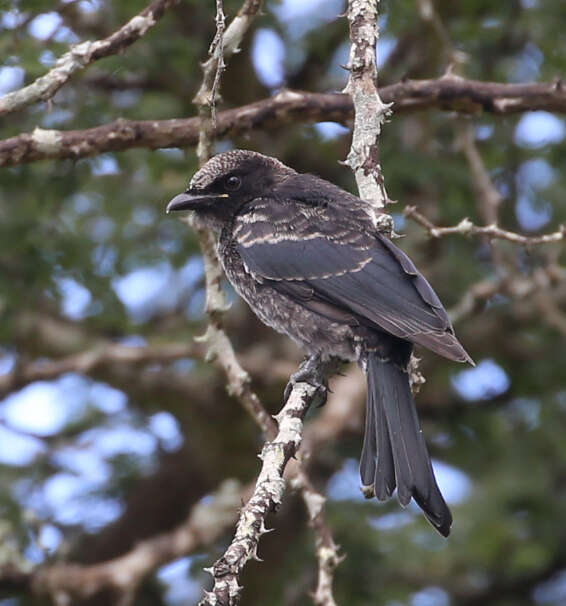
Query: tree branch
{"x": 67, "y": 582}
{"x": 448, "y": 93}
{"x": 489, "y": 199}
{"x": 225, "y": 44}
{"x": 268, "y": 485}
{"x": 467, "y": 228}
{"x": 326, "y": 549}
{"x": 267, "y": 495}
{"x": 82, "y": 55}
{"x": 429, "y": 15}
{"x": 370, "y": 112}
{"x": 91, "y": 359}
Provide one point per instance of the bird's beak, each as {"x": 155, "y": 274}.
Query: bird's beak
{"x": 189, "y": 201}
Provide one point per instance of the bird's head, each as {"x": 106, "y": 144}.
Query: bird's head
{"x": 229, "y": 180}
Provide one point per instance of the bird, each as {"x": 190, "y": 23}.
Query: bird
{"x": 307, "y": 258}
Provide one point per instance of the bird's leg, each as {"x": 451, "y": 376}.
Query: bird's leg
{"x": 314, "y": 372}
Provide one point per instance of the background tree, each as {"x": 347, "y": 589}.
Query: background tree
{"x": 124, "y": 460}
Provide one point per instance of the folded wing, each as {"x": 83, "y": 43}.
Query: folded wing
{"x": 362, "y": 274}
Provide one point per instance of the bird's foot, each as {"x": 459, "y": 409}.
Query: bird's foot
{"x": 314, "y": 372}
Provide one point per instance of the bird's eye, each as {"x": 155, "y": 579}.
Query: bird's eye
{"x": 233, "y": 183}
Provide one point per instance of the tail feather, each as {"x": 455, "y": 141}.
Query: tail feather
{"x": 394, "y": 447}
{"x": 377, "y": 468}
{"x": 368, "y": 460}
{"x": 385, "y": 482}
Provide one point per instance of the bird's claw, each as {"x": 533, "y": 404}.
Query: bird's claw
{"x": 311, "y": 371}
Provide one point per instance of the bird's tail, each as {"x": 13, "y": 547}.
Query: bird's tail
{"x": 394, "y": 453}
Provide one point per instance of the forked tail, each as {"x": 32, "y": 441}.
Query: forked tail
{"x": 394, "y": 453}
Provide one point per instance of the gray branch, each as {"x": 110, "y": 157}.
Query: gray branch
{"x": 82, "y": 55}
{"x": 467, "y": 228}
{"x": 267, "y": 495}
{"x": 370, "y": 112}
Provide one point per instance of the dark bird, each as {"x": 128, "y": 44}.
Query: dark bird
{"x": 308, "y": 260}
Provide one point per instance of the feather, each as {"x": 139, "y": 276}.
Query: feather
{"x": 361, "y": 274}
{"x": 405, "y": 451}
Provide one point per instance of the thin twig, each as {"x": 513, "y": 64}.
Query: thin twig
{"x": 327, "y": 551}
{"x": 467, "y": 228}
{"x": 429, "y": 14}
{"x": 474, "y": 297}
{"x": 517, "y": 287}
{"x": 488, "y": 199}
{"x": 217, "y": 52}
{"x": 550, "y": 311}
{"x": 223, "y": 47}
{"x": 487, "y": 195}
{"x": 238, "y": 384}
{"x": 82, "y": 55}
{"x": 215, "y": 337}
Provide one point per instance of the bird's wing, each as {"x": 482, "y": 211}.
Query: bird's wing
{"x": 343, "y": 270}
